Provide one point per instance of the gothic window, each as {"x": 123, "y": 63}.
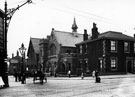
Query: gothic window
{"x": 53, "y": 49}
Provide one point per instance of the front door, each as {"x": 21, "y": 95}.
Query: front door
{"x": 129, "y": 66}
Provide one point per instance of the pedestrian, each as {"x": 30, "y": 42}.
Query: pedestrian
{"x": 1, "y": 83}
{"x": 97, "y": 78}
{"x": 82, "y": 75}
{"x": 15, "y": 75}
{"x": 93, "y": 74}
{"x": 19, "y": 76}
{"x": 24, "y": 78}
{"x": 69, "y": 73}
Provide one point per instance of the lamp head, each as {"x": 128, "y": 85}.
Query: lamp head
{"x": 22, "y": 49}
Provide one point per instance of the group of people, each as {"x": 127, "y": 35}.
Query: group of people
{"x": 95, "y": 74}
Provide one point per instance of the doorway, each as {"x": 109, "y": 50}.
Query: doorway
{"x": 129, "y": 66}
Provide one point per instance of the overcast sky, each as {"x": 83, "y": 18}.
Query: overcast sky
{"x": 37, "y": 19}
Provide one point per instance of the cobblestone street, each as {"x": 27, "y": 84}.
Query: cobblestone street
{"x": 110, "y": 86}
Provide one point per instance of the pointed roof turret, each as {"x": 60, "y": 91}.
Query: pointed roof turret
{"x": 74, "y": 26}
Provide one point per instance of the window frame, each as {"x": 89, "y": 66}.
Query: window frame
{"x": 115, "y": 64}
{"x": 113, "y": 45}
{"x": 86, "y": 51}
{"x": 128, "y": 47}
{"x": 80, "y": 49}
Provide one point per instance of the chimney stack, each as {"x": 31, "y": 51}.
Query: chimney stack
{"x": 85, "y": 35}
{"x": 12, "y": 55}
{"x": 94, "y": 32}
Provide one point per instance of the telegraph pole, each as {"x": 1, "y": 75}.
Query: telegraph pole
{"x": 7, "y": 17}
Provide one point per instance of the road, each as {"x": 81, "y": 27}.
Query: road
{"x": 110, "y": 86}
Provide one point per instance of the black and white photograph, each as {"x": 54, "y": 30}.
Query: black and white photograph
{"x": 67, "y": 48}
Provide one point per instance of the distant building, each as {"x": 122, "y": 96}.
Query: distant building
{"x": 33, "y": 54}
{"x": 15, "y": 64}
{"x": 43, "y": 47}
{"x": 110, "y": 52}
{"x": 62, "y": 51}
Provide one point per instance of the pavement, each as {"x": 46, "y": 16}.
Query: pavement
{"x": 91, "y": 78}
{"x": 29, "y": 89}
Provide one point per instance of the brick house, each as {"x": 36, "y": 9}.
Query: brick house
{"x": 110, "y": 52}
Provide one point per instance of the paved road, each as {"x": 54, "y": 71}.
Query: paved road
{"x": 111, "y": 86}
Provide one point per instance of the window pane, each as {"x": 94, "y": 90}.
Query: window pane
{"x": 113, "y": 45}
{"x": 126, "y": 47}
{"x": 113, "y": 63}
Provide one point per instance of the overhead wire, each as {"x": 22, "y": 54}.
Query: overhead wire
{"x": 87, "y": 15}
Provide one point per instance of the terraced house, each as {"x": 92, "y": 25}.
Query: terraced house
{"x": 109, "y": 52}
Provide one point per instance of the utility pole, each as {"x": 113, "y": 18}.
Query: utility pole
{"x": 7, "y": 17}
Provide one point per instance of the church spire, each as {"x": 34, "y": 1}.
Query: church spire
{"x": 74, "y": 26}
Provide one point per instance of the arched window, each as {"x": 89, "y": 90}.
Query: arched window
{"x": 53, "y": 49}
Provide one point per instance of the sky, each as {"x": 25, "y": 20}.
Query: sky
{"x": 38, "y": 18}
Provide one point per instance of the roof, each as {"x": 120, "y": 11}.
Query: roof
{"x": 67, "y": 38}
{"x": 111, "y": 35}
{"x": 116, "y": 35}
{"x": 35, "y": 43}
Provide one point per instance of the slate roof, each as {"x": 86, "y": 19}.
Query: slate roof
{"x": 67, "y": 38}
{"x": 35, "y": 43}
{"x": 116, "y": 35}
{"x": 111, "y": 35}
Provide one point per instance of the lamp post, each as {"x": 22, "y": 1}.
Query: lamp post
{"x": 22, "y": 50}
{"x": 7, "y": 17}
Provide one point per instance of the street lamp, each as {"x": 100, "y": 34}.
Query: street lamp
{"x": 22, "y": 50}
{"x": 7, "y": 17}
